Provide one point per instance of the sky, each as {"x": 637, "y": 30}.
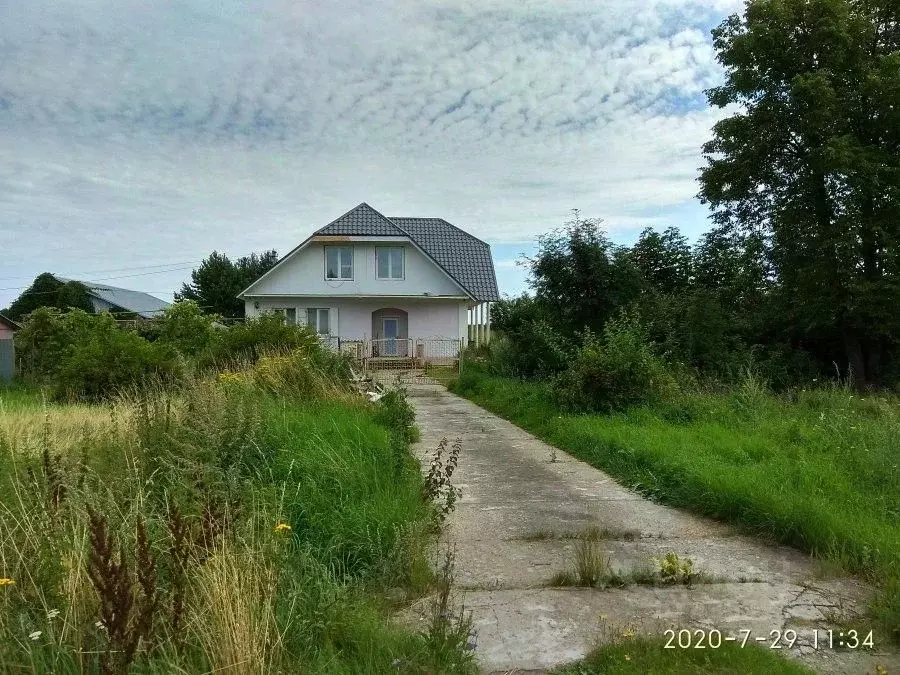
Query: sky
{"x": 136, "y": 136}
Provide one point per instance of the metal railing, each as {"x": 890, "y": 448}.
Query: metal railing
{"x": 401, "y": 353}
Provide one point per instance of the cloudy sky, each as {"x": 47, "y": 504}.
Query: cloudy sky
{"x": 138, "y": 135}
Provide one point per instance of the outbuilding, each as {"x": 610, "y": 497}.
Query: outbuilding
{"x": 8, "y": 327}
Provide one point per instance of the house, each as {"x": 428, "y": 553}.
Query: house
{"x": 121, "y": 300}
{"x": 8, "y": 327}
{"x": 390, "y": 282}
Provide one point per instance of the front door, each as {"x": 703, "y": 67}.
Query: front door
{"x": 391, "y": 327}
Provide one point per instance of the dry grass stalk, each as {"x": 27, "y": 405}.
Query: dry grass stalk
{"x": 233, "y": 612}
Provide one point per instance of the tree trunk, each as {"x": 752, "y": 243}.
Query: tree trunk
{"x": 855, "y": 359}
{"x": 874, "y": 353}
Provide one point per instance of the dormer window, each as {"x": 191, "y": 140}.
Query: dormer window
{"x": 339, "y": 263}
{"x": 389, "y": 262}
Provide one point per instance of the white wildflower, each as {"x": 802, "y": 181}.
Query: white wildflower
{"x": 53, "y": 613}
{"x": 35, "y": 635}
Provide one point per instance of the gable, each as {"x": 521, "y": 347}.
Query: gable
{"x": 303, "y": 273}
{"x": 462, "y": 258}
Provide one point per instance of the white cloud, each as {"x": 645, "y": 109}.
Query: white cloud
{"x": 143, "y": 131}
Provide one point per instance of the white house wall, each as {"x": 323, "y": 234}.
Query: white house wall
{"x": 304, "y": 274}
{"x": 432, "y": 318}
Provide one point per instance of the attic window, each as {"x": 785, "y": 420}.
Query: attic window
{"x": 339, "y": 263}
{"x": 389, "y": 262}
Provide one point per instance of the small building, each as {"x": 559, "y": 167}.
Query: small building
{"x": 390, "y": 286}
{"x": 8, "y": 327}
{"x": 121, "y": 300}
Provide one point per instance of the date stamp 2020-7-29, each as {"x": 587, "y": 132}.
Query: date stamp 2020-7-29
{"x": 816, "y": 639}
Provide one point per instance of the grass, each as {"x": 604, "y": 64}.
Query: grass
{"x": 644, "y": 656}
{"x": 260, "y": 521}
{"x": 820, "y": 471}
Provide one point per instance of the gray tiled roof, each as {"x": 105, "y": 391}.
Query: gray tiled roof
{"x": 465, "y": 258}
{"x": 362, "y": 221}
{"x": 143, "y": 304}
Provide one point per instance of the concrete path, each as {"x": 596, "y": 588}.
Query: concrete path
{"x": 514, "y": 528}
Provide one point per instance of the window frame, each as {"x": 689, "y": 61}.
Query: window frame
{"x": 310, "y": 311}
{"x": 402, "y": 276}
{"x": 288, "y": 319}
{"x": 340, "y": 261}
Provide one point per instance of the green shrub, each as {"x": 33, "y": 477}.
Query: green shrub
{"x": 615, "y": 370}
{"x": 395, "y": 413}
{"x": 187, "y": 329}
{"x": 254, "y": 337}
{"x": 109, "y": 359}
{"x": 46, "y": 335}
{"x": 87, "y": 356}
{"x": 533, "y": 349}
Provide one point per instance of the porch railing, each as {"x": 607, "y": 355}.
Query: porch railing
{"x": 405, "y": 352}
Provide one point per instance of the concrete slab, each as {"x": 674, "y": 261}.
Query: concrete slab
{"x": 513, "y": 528}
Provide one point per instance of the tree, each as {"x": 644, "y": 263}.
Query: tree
{"x": 664, "y": 260}
{"x": 48, "y": 291}
{"x": 581, "y": 276}
{"x": 811, "y": 161}
{"x": 216, "y": 283}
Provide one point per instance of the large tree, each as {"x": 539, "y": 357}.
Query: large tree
{"x": 216, "y": 283}
{"x": 581, "y": 277}
{"x": 664, "y": 259}
{"x": 810, "y": 160}
{"x": 48, "y": 291}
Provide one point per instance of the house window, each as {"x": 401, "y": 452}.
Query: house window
{"x": 289, "y": 314}
{"x": 339, "y": 262}
{"x": 389, "y": 262}
{"x": 319, "y": 320}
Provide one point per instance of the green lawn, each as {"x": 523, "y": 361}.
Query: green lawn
{"x": 819, "y": 472}
{"x": 647, "y": 657}
{"x": 17, "y": 397}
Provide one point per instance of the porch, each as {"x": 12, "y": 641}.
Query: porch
{"x": 401, "y": 353}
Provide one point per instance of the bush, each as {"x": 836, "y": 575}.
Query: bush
{"x": 187, "y": 329}
{"x": 87, "y": 356}
{"x": 615, "y": 370}
{"x": 534, "y": 349}
{"x": 263, "y": 334}
{"x": 109, "y": 359}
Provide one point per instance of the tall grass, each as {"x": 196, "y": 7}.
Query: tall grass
{"x": 815, "y": 469}
{"x": 248, "y": 522}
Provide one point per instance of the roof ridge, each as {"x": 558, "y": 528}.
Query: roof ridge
{"x": 347, "y": 213}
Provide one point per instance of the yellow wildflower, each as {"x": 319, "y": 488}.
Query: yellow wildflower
{"x": 627, "y": 657}
{"x": 628, "y": 633}
{"x": 7, "y": 582}
{"x": 282, "y": 527}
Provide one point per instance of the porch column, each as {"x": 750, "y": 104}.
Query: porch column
{"x": 476, "y": 314}
{"x": 487, "y": 325}
{"x": 481, "y": 324}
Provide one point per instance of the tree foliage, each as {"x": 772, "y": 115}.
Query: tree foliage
{"x": 664, "y": 259}
{"x": 810, "y": 162}
{"x": 580, "y": 259}
{"x": 48, "y": 291}
{"x": 216, "y": 283}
